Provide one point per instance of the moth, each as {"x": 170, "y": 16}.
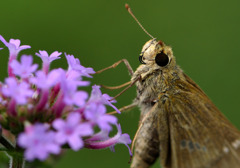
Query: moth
{"x": 179, "y": 124}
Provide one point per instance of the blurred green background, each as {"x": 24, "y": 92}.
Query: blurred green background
{"x": 205, "y": 36}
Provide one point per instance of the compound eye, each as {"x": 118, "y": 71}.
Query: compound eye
{"x": 141, "y": 59}
{"x": 161, "y": 59}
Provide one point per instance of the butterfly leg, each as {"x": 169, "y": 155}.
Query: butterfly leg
{"x": 130, "y": 70}
{"x": 116, "y": 87}
{"x": 132, "y": 83}
{"x": 125, "y": 108}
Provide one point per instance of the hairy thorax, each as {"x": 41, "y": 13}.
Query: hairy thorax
{"x": 154, "y": 83}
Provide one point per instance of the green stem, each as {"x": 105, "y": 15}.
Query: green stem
{"x": 16, "y": 160}
{"x": 14, "y": 153}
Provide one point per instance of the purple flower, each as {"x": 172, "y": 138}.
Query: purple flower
{"x": 100, "y": 136}
{"x": 75, "y": 78}
{"x": 72, "y": 96}
{"x": 17, "y": 91}
{"x": 1, "y": 48}
{"x": 38, "y": 141}
{"x": 68, "y": 115}
{"x": 70, "y": 93}
{"x": 46, "y": 81}
{"x": 96, "y": 113}
{"x": 74, "y": 64}
{"x": 25, "y": 68}
{"x": 119, "y": 138}
{"x": 78, "y": 98}
{"x": 98, "y": 97}
{"x": 14, "y": 46}
{"x": 71, "y": 131}
{"x": 48, "y": 59}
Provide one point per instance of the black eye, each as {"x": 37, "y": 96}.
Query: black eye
{"x": 161, "y": 59}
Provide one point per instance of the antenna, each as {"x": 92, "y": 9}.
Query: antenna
{"x": 130, "y": 11}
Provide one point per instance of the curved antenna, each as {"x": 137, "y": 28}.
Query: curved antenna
{"x": 130, "y": 11}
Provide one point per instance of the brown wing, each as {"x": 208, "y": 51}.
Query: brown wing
{"x": 199, "y": 135}
{"x": 146, "y": 146}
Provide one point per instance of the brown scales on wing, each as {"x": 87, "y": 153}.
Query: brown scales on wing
{"x": 187, "y": 136}
{"x": 200, "y": 135}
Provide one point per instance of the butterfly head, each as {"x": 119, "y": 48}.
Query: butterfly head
{"x": 156, "y": 53}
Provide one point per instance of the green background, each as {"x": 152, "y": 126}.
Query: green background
{"x": 205, "y": 36}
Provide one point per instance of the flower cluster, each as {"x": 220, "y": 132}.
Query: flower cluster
{"x": 46, "y": 110}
